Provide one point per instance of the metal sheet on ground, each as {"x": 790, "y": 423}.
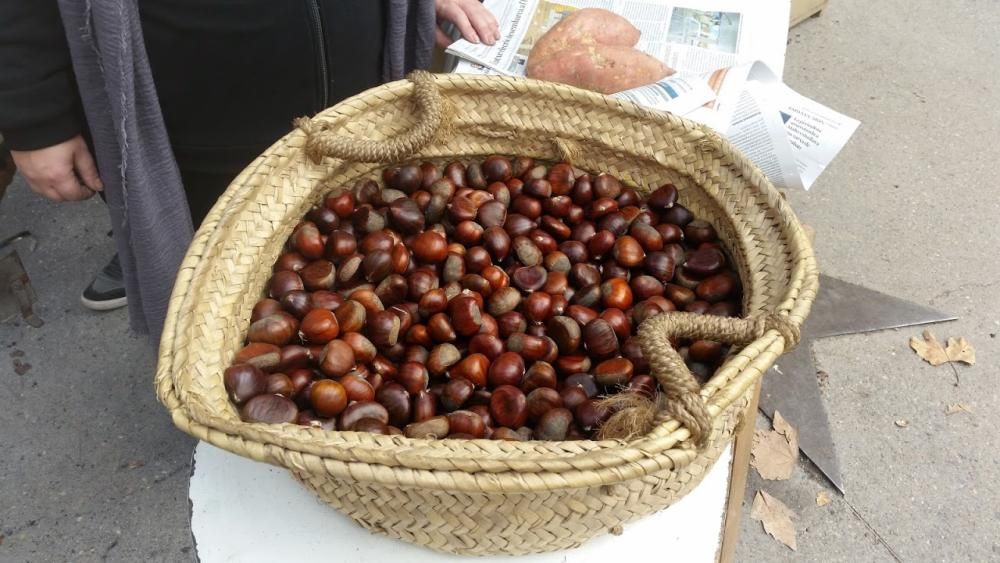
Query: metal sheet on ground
{"x": 791, "y": 387}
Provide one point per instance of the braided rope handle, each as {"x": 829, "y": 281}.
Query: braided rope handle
{"x": 683, "y": 401}
{"x": 430, "y": 114}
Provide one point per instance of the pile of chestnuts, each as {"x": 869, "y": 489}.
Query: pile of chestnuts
{"x": 498, "y": 299}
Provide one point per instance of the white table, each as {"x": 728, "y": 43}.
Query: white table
{"x": 247, "y": 512}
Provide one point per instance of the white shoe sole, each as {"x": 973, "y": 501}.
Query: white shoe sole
{"x": 107, "y": 305}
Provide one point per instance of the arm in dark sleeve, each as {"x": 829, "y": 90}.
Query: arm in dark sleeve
{"x": 39, "y": 102}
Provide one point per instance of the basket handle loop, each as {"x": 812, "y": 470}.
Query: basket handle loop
{"x": 683, "y": 401}
{"x": 430, "y": 113}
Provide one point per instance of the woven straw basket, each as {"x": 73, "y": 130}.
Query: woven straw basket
{"x": 482, "y": 496}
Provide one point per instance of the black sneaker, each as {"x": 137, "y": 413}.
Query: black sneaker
{"x": 107, "y": 291}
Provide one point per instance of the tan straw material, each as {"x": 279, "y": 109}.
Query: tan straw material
{"x": 481, "y": 496}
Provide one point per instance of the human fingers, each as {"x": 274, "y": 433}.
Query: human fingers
{"x": 86, "y": 169}
{"x": 483, "y": 21}
{"x": 455, "y": 13}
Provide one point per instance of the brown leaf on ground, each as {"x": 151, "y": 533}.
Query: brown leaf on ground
{"x": 775, "y": 517}
{"x": 929, "y": 348}
{"x": 822, "y": 498}
{"x": 775, "y": 453}
{"x": 954, "y": 408}
{"x": 959, "y": 350}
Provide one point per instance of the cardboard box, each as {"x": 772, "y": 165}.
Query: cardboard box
{"x": 804, "y": 9}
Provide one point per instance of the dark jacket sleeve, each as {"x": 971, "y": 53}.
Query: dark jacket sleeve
{"x": 39, "y": 102}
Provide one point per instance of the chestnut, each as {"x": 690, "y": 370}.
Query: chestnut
{"x": 336, "y": 359}
{"x": 359, "y": 410}
{"x": 442, "y": 357}
{"x": 383, "y": 328}
{"x": 351, "y": 316}
{"x": 243, "y": 382}
{"x": 509, "y": 406}
{"x": 430, "y": 247}
{"x": 541, "y": 400}
{"x": 319, "y": 326}
{"x": 628, "y": 252}
{"x": 396, "y": 401}
{"x": 662, "y": 198}
{"x": 282, "y": 282}
{"x": 432, "y": 428}
{"x": 307, "y": 241}
{"x": 716, "y": 288}
{"x": 271, "y": 409}
{"x": 466, "y": 422}
{"x": 486, "y": 344}
{"x": 261, "y": 355}
{"x": 616, "y": 293}
{"x": 327, "y": 397}
{"x": 456, "y": 392}
{"x": 600, "y": 338}
{"x": 540, "y": 374}
{"x": 507, "y": 369}
{"x": 554, "y": 424}
{"x": 705, "y": 261}
{"x": 591, "y": 414}
{"x": 497, "y": 242}
{"x": 277, "y": 329}
{"x": 370, "y": 425}
{"x": 613, "y": 372}
{"x": 473, "y": 367}
{"x": 466, "y": 315}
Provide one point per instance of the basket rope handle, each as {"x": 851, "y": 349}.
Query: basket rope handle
{"x": 430, "y": 114}
{"x": 683, "y": 400}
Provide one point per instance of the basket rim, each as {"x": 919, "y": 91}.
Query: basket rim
{"x": 652, "y": 452}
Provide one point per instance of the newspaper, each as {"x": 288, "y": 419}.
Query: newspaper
{"x": 690, "y": 36}
{"x": 728, "y": 54}
{"x": 790, "y": 137}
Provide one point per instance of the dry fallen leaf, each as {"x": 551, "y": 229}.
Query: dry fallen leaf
{"x": 929, "y": 348}
{"x": 959, "y": 350}
{"x": 822, "y": 498}
{"x": 775, "y": 453}
{"x": 953, "y": 408}
{"x": 775, "y": 516}
{"x": 902, "y": 423}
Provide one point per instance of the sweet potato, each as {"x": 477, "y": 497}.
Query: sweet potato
{"x": 586, "y": 26}
{"x": 601, "y": 68}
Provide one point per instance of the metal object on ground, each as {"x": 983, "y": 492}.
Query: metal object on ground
{"x": 791, "y": 387}
{"x": 16, "y": 294}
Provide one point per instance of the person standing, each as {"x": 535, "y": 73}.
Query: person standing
{"x": 176, "y": 97}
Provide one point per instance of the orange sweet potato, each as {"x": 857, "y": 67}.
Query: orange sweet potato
{"x": 589, "y": 25}
{"x": 601, "y": 68}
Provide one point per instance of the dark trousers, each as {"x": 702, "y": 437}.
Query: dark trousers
{"x": 231, "y": 76}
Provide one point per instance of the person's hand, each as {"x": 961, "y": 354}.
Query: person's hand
{"x": 471, "y": 18}
{"x": 62, "y": 172}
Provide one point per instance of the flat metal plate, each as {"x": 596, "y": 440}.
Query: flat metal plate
{"x": 791, "y": 387}
{"x": 847, "y": 308}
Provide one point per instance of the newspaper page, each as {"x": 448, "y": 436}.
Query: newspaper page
{"x": 816, "y": 132}
{"x": 678, "y": 94}
{"x": 690, "y": 36}
{"x": 802, "y": 134}
{"x": 757, "y": 130}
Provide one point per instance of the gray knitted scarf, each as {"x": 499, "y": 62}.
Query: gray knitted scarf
{"x": 149, "y": 213}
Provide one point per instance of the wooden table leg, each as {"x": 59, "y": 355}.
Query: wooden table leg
{"x": 742, "y": 443}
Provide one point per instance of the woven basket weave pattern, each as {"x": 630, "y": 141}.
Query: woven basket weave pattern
{"x": 424, "y": 491}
